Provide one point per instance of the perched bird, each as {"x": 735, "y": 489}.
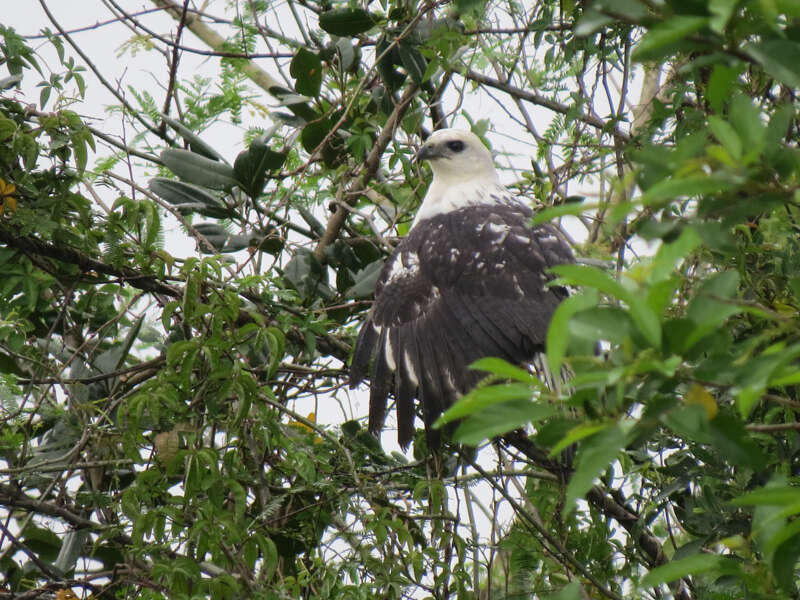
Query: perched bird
{"x": 468, "y": 281}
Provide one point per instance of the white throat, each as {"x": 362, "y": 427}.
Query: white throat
{"x": 450, "y": 193}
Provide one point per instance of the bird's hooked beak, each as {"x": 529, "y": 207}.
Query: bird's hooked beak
{"x": 427, "y": 152}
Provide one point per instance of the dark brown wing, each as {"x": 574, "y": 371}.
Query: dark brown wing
{"x": 461, "y": 286}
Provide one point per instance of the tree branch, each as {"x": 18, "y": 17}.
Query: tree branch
{"x": 626, "y": 517}
{"x": 111, "y": 88}
{"x": 540, "y": 100}
{"x": 329, "y": 344}
{"x": 371, "y": 164}
{"x": 141, "y": 281}
{"x": 215, "y": 41}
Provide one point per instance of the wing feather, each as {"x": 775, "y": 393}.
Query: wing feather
{"x": 366, "y": 345}
{"x": 380, "y": 385}
{"x": 489, "y": 340}
{"x": 407, "y": 349}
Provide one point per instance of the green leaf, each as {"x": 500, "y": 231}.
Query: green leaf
{"x": 658, "y": 41}
{"x": 43, "y": 541}
{"x": 349, "y": 54}
{"x": 634, "y": 10}
{"x": 602, "y": 323}
{"x": 269, "y": 553}
{"x": 80, "y": 152}
{"x": 346, "y": 21}
{"x": 188, "y": 198}
{"x": 708, "y": 309}
{"x": 670, "y": 254}
{"x": 466, "y": 6}
{"x": 570, "y": 208}
{"x": 594, "y": 456}
{"x": 73, "y": 547}
{"x": 114, "y": 358}
{"x": 591, "y": 20}
{"x": 785, "y": 495}
{"x": 746, "y": 119}
{"x": 199, "y": 170}
{"x": 314, "y": 134}
{"x": 691, "y": 565}
{"x": 734, "y": 443}
{"x": 785, "y": 557}
{"x": 778, "y": 127}
{"x": 276, "y": 340}
{"x": 365, "y": 280}
{"x": 721, "y": 85}
{"x": 215, "y": 234}
{"x": 500, "y": 419}
{"x": 727, "y": 136}
{"x": 252, "y": 165}
{"x": 197, "y": 144}
{"x": 646, "y": 320}
{"x": 484, "y": 397}
{"x": 498, "y": 366}
{"x": 296, "y": 103}
{"x": 661, "y": 293}
{"x": 306, "y": 274}
{"x": 683, "y": 187}
{"x": 306, "y": 68}
{"x": 779, "y": 59}
{"x": 413, "y": 61}
{"x": 576, "y": 434}
{"x": 558, "y": 331}
{"x": 9, "y": 82}
{"x": 721, "y": 11}
{"x": 7, "y": 128}
{"x": 571, "y": 591}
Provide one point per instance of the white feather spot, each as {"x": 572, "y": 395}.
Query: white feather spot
{"x": 404, "y": 264}
{"x": 388, "y": 352}
{"x": 546, "y": 236}
{"x": 449, "y": 380}
{"x": 499, "y": 230}
{"x": 412, "y": 374}
{"x": 497, "y": 227}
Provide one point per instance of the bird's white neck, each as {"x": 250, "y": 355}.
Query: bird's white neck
{"x": 448, "y": 194}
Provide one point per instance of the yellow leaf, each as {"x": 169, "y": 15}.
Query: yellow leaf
{"x": 166, "y": 444}
{"x": 6, "y": 199}
{"x": 65, "y": 595}
{"x": 699, "y": 395}
{"x": 6, "y": 189}
{"x": 311, "y": 417}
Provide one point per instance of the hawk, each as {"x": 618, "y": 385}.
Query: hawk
{"x": 468, "y": 281}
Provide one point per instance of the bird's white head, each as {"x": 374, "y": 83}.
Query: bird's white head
{"x": 463, "y": 173}
{"x": 456, "y": 155}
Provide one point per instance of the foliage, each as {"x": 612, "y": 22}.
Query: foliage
{"x": 153, "y": 437}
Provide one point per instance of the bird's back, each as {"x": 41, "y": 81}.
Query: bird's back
{"x": 462, "y": 285}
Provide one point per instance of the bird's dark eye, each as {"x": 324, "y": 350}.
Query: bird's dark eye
{"x": 456, "y": 145}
